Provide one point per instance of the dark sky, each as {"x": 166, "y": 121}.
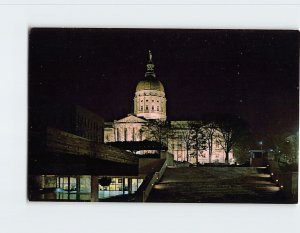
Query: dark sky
{"x": 252, "y": 73}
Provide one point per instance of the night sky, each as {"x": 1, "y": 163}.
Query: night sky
{"x": 251, "y": 73}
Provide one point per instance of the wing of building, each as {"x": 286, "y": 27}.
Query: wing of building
{"x": 149, "y": 123}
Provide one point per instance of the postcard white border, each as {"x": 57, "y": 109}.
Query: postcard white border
{"x": 18, "y": 215}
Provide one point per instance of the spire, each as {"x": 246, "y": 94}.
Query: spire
{"x": 150, "y": 67}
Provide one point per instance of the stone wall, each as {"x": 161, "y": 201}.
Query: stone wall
{"x": 65, "y": 143}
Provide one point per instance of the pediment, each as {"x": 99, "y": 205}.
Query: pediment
{"x": 131, "y": 119}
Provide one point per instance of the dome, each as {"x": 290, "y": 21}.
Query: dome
{"x": 149, "y": 84}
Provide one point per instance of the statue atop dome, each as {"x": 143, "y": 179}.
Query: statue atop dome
{"x": 150, "y": 99}
{"x": 150, "y": 56}
{"x": 150, "y": 67}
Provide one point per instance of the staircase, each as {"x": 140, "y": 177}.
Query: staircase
{"x": 216, "y": 185}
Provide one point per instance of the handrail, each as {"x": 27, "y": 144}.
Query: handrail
{"x": 150, "y": 180}
{"x": 155, "y": 179}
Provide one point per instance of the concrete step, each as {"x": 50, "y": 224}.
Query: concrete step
{"x": 216, "y": 184}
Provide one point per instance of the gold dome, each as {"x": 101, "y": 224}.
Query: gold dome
{"x": 150, "y": 84}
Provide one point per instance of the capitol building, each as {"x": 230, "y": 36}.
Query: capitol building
{"x": 150, "y": 105}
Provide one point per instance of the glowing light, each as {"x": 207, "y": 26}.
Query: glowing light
{"x": 272, "y": 189}
{"x": 281, "y": 186}
{"x": 276, "y": 180}
{"x": 262, "y": 175}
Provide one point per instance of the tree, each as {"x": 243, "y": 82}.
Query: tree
{"x": 210, "y": 131}
{"x": 284, "y": 145}
{"x": 231, "y": 130}
{"x": 158, "y": 131}
{"x": 198, "y": 137}
{"x": 183, "y": 132}
{"x": 241, "y": 151}
{"x": 104, "y": 181}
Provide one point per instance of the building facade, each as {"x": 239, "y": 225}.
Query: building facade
{"x": 148, "y": 121}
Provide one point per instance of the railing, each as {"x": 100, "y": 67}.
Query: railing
{"x": 150, "y": 181}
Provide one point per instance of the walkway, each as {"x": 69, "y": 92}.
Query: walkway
{"x": 216, "y": 184}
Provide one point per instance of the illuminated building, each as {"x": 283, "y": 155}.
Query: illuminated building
{"x": 150, "y": 104}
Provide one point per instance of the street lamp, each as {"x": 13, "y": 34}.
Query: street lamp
{"x": 261, "y": 144}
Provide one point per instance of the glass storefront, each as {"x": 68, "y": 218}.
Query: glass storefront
{"x": 119, "y": 186}
{"x": 63, "y": 182}
{"x": 65, "y": 187}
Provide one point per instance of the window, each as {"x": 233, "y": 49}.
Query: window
{"x": 157, "y": 108}
{"x": 146, "y": 107}
{"x": 146, "y": 100}
{"x": 141, "y": 108}
{"x": 152, "y": 101}
{"x": 152, "y": 108}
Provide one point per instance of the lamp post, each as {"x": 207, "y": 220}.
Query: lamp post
{"x": 261, "y": 147}
{"x": 261, "y": 144}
